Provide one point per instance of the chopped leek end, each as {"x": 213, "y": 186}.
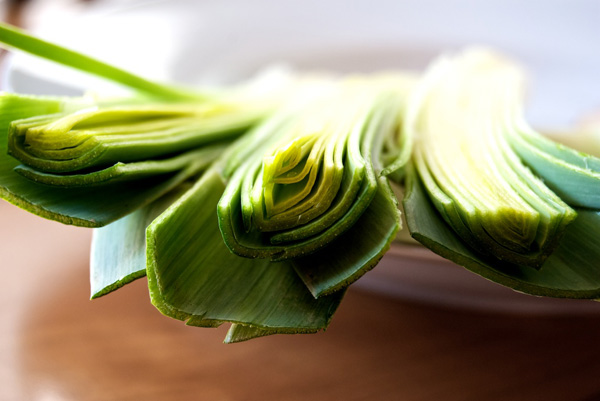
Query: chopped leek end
{"x": 313, "y": 187}
{"x": 192, "y": 276}
{"x": 461, "y": 124}
{"x": 318, "y": 173}
{"x": 102, "y": 136}
{"x": 570, "y": 272}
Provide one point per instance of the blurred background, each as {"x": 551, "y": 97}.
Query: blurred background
{"x": 215, "y": 42}
{"x": 416, "y": 328}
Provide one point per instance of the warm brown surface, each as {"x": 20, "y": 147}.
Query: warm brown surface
{"x": 57, "y": 345}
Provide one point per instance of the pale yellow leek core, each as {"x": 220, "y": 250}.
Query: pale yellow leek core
{"x": 302, "y": 171}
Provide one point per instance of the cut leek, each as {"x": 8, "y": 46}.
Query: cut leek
{"x": 570, "y": 272}
{"x": 70, "y": 199}
{"x": 192, "y": 276}
{"x": 103, "y": 136}
{"x": 110, "y": 157}
{"x": 474, "y": 178}
{"x": 317, "y": 188}
{"x": 305, "y": 192}
{"x": 239, "y": 211}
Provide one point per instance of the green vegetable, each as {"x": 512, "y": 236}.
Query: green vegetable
{"x": 103, "y": 136}
{"x": 474, "y": 183}
{"x": 312, "y": 179}
{"x": 475, "y": 179}
{"x": 139, "y": 155}
{"x": 192, "y": 276}
{"x": 81, "y": 206}
{"x": 570, "y": 272}
{"x": 101, "y": 159}
{"x": 261, "y": 208}
{"x": 105, "y": 187}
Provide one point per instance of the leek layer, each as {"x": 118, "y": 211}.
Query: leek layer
{"x": 312, "y": 187}
{"x": 473, "y": 176}
{"x": 570, "y": 272}
{"x": 118, "y": 254}
{"x": 103, "y": 136}
{"x": 192, "y": 275}
{"x": 80, "y": 205}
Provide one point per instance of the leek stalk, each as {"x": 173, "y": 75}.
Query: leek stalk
{"x": 261, "y": 216}
{"x": 473, "y": 176}
{"x": 317, "y": 188}
{"x": 544, "y": 212}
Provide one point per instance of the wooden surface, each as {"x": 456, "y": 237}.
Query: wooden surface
{"x": 56, "y": 344}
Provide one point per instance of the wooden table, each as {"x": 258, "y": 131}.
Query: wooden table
{"x": 58, "y": 345}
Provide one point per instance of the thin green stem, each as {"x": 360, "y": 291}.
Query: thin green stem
{"x": 12, "y": 37}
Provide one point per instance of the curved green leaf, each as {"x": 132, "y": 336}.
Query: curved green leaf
{"x": 118, "y": 254}
{"x": 192, "y": 276}
{"x": 356, "y": 251}
{"x": 570, "y": 272}
{"x": 574, "y": 176}
{"x": 124, "y": 172}
{"x": 474, "y": 178}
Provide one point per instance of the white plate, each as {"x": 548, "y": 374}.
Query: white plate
{"x": 227, "y": 41}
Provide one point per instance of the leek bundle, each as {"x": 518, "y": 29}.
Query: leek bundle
{"x": 260, "y": 209}
{"x": 161, "y": 162}
{"x": 336, "y": 137}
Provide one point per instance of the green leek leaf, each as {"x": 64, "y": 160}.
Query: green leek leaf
{"x": 103, "y": 136}
{"x": 118, "y": 253}
{"x": 240, "y": 332}
{"x": 473, "y": 176}
{"x": 356, "y": 251}
{"x": 122, "y": 172}
{"x": 87, "y": 207}
{"x": 572, "y": 175}
{"x": 570, "y": 272}
{"x": 192, "y": 275}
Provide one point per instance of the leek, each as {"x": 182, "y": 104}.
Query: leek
{"x": 261, "y": 209}
{"x": 192, "y": 276}
{"x": 103, "y": 136}
{"x": 109, "y": 174}
{"x": 570, "y": 272}
{"x": 472, "y": 145}
{"x": 98, "y": 160}
{"x": 90, "y": 163}
{"x": 316, "y": 180}
{"x": 473, "y": 176}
